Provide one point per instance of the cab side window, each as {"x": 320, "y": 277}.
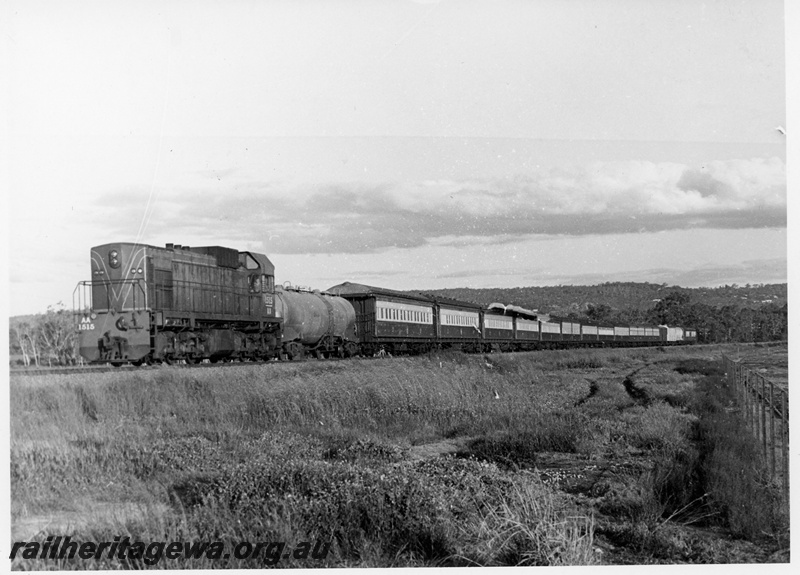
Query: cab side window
{"x": 255, "y": 283}
{"x": 267, "y": 283}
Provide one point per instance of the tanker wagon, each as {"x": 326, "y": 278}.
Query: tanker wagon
{"x": 315, "y": 322}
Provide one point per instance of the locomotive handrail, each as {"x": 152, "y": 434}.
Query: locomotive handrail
{"x": 212, "y": 287}
{"x": 90, "y": 284}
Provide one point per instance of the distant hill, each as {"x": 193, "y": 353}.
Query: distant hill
{"x": 618, "y": 295}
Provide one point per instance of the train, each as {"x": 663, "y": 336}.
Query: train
{"x": 147, "y": 304}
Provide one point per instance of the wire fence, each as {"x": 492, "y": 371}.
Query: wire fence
{"x": 765, "y": 408}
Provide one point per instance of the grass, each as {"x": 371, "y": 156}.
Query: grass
{"x": 745, "y": 497}
{"x": 320, "y": 450}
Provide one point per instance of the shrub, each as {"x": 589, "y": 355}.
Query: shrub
{"x": 529, "y": 526}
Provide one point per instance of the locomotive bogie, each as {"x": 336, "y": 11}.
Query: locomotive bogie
{"x": 214, "y": 345}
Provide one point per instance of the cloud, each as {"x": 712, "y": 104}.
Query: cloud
{"x": 598, "y": 198}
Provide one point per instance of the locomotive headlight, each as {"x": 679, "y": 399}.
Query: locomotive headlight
{"x": 139, "y": 270}
{"x": 133, "y": 271}
{"x": 112, "y": 258}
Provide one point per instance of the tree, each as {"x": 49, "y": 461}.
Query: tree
{"x": 671, "y": 309}
{"x": 599, "y": 312}
{"x": 57, "y": 335}
{"x": 26, "y": 341}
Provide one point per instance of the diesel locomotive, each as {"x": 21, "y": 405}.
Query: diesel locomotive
{"x": 149, "y": 304}
{"x": 189, "y": 304}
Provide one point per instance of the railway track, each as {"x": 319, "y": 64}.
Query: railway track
{"x": 130, "y": 368}
{"x": 126, "y": 368}
{"x": 206, "y": 364}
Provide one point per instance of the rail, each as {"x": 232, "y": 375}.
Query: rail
{"x": 764, "y": 407}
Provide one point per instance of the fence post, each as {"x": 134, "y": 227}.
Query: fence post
{"x": 746, "y": 393}
{"x": 757, "y": 406}
{"x": 785, "y": 444}
{"x": 772, "y": 427}
{"x": 746, "y": 380}
{"x": 763, "y": 402}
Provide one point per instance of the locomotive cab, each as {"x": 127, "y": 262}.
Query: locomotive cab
{"x": 260, "y": 279}
{"x": 113, "y": 308}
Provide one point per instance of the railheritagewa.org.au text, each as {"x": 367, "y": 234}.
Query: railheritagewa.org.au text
{"x": 150, "y": 553}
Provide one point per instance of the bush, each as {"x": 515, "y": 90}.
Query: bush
{"x": 529, "y": 526}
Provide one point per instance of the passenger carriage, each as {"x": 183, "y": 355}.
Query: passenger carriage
{"x": 390, "y": 321}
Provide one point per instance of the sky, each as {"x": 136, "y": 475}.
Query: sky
{"x": 406, "y": 144}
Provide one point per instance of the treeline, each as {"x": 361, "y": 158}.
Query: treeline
{"x": 44, "y": 339}
{"x": 749, "y": 313}
{"x": 619, "y": 295}
{"x": 728, "y": 323}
